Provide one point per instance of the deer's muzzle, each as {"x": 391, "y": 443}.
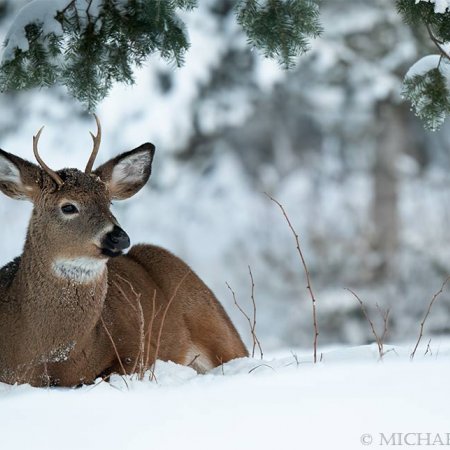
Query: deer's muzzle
{"x": 115, "y": 242}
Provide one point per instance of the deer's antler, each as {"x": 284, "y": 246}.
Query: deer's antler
{"x": 47, "y": 169}
{"x": 97, "y": 139}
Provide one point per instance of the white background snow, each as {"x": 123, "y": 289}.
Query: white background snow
{"x": 221, "y": 222}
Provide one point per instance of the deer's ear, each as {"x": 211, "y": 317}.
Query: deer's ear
{"x": 127, "y": 173}
{"x": 19, "y": 179}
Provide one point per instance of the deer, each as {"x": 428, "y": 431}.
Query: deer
{"x": 75, "y": 306}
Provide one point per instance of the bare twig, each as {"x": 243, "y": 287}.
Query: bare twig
{"x": 295, "y": 356}
{"x": 139, "y": 363}
{"x": 253, "y": 328}
{"x": 102, "y": 380}
{"x": 308, "y": 277}
{"x": 150, "y": 329}
{"x": 385, "y": 316}
{"x": 114, "y": 345}
{"x": 194, "y": 359}
{"x": 138, "y": 366}
{"x": 428, "y": 350}
{"x": 220, "y": 360}
{"x": 163, "y": 318}
{"x": 437, "y": 43}
{"x": 69, "y": 5}
{"x": 435, "y": 296}
{"x": 261, "y": 365}
{"x": 251, "y": 324}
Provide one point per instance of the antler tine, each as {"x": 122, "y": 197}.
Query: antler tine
{"x": 47, "y": 169}
{"x": 97, "y": 139}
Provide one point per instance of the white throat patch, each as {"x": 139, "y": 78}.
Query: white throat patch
{"x": 82, "y": 270}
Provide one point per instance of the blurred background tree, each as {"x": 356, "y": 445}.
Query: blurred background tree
{"x": 365, "y": 186}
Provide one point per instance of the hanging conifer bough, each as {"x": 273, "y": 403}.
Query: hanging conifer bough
{"x": 281, "y": 29}
{"x": 427, "y": 82}
{"x": 87, "y": 45}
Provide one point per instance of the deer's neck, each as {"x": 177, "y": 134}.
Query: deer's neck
{"x": 61, "y": 299}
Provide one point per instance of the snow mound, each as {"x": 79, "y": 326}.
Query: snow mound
{"x": 284, "y": 402}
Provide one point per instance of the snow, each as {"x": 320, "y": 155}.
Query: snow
{"x": 430, "y": 62}
{"x": 43, "y": 12}
{"x": 246, "y": 404}
{"x": 423, "y": 66}
{"x": 38, "y": 11}
{"x": 440, "y": 6}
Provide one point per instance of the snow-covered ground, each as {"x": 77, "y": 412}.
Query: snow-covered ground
{"x": 350, "y": 400}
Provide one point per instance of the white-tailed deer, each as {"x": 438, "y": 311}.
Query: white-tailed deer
{"x": 73, "y": 307}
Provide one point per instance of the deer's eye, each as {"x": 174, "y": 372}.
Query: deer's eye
{"x": 69, "y": 209}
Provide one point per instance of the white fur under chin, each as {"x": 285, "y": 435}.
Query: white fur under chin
{"x": 82, "y": 270}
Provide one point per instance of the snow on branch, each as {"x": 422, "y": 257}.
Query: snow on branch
{"x": 40, "y": 12}
{"x": 426, "y": 84}
{"x": 88, "y": 45}
{"x": 440, "y": 6}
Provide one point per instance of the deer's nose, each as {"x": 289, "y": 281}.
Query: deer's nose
{"x": 116, "y": 240}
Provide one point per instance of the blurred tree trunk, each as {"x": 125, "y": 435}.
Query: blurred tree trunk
{"x": 385, "y": 216}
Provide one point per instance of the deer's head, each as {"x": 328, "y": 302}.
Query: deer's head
{"x": 72, "y": 222}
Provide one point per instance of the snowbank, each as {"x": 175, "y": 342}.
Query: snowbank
{"x": 348, "y": 398}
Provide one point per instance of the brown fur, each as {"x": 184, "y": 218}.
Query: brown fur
{"x": 58, "y": 331}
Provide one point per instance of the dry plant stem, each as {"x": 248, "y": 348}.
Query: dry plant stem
{"x": 254, "y": 337}
{"x": 366, "y": 315}
{"x": 435, "y": 296}
{"x": 221, "y": 364}
{"x": 114, "y": 345}
{"x": 102, "y": 380}
{"x": 308, "y": 277}
{"x": 261, "y": 365}
{"x": 140, "y": 359}
{"x": 385, "y": 316}
{"x": 141, "y": 322}
{"x": 193, "y": 360}
{"x": 253, "y": 328}
{"x": 295, "y": 356}
{"x": 163, "y": 319}
{"x": 150, "y": 328}
{"x": 428, "y": 350}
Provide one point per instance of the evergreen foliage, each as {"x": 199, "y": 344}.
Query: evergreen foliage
{"x": 280, "y": 28}
{"x": 99, "y": 42}
{"x": 94, "y": 51}
{"x": 419, "y": 13}
{"x": 429, "y": 96}
{"x": 429, "y": 92}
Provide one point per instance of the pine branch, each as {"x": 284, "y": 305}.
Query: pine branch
{"x": 88, "y": 50}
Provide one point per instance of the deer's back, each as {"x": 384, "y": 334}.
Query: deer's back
{"x": 194, "y": 320}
